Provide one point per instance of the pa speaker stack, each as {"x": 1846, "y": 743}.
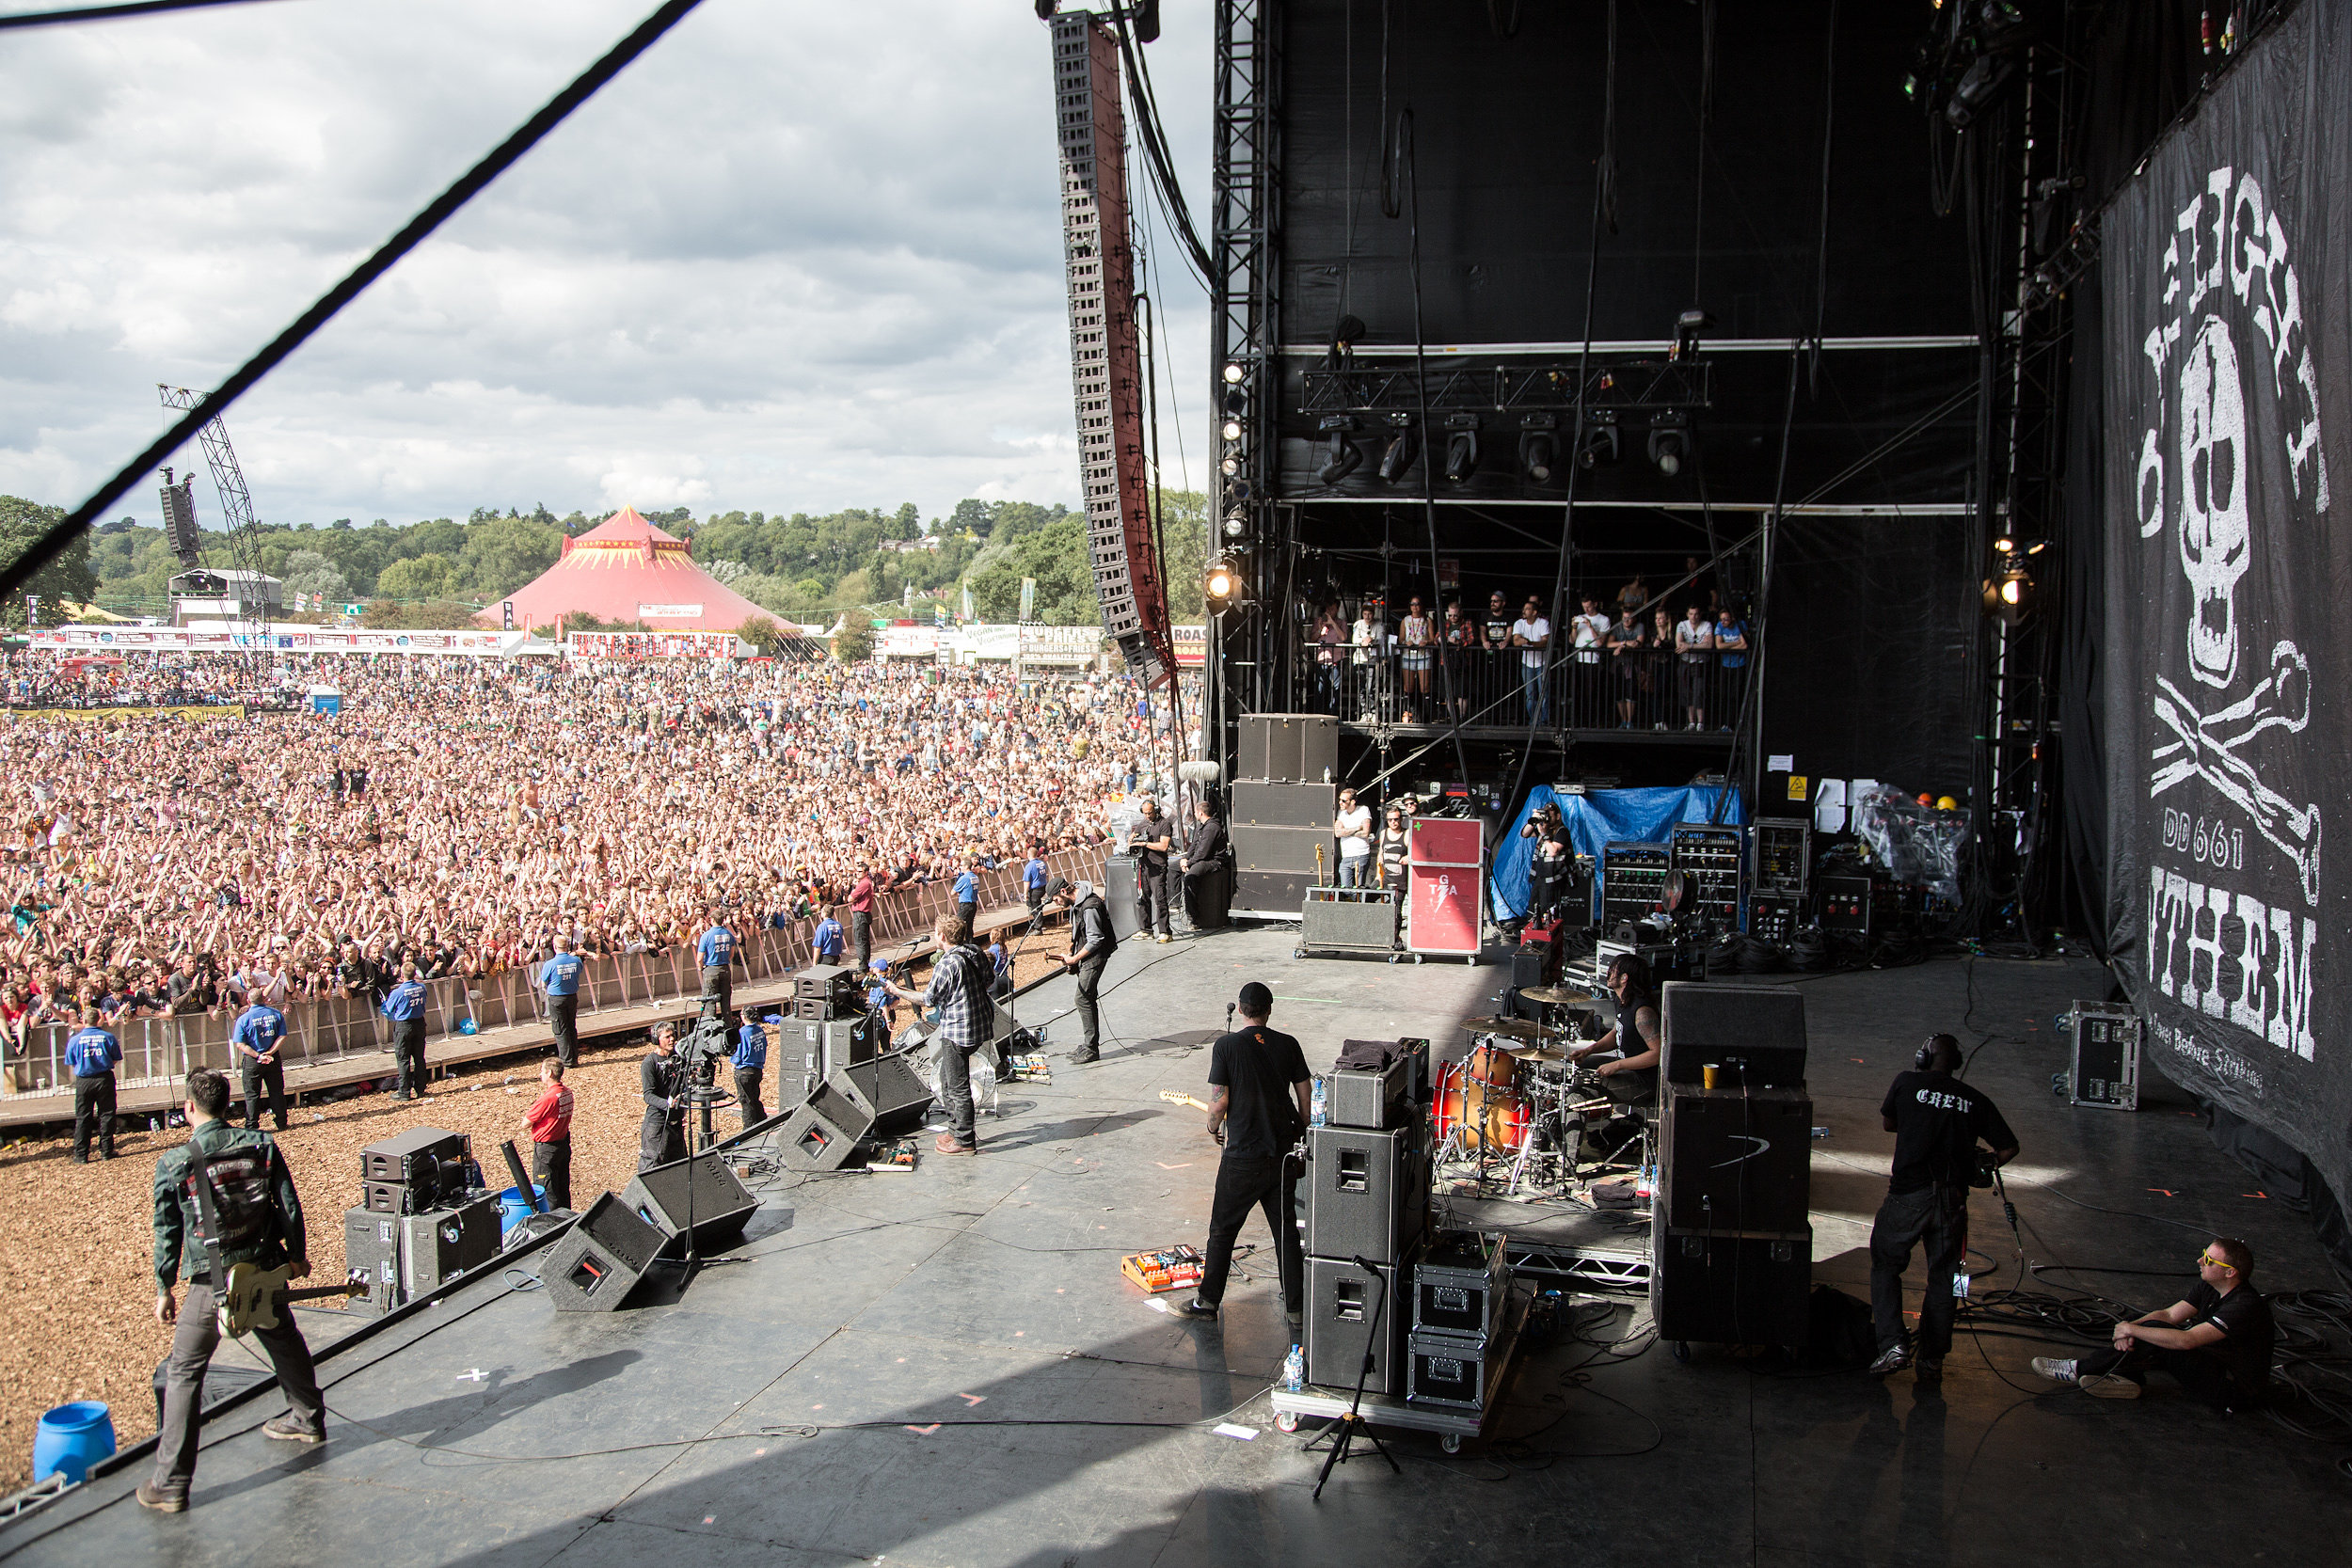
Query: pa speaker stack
{"x": 824, "y": 991}
{"x": 1367, "y": 1197}
{"x": 1731, "y": 1239}
{"x": 422, "y": 1219}
{"x": 1282, "y": 802}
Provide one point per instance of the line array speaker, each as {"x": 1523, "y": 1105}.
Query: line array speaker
{"x": 1289, "y": 747}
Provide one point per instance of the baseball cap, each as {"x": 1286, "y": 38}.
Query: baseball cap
{"x": 1059, "y": 886}
{"x": 1256, "y": 999}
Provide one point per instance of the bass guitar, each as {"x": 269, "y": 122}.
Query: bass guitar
{"x": 249, "y": 1300}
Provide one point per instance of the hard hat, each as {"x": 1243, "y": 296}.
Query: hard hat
{"x": 1944, "y": 802}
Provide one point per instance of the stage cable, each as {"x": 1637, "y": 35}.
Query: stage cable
{"x": 15, "y": 574}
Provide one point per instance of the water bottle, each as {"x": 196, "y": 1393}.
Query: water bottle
{"x": 1294, "y": 1370}
{"x": 1317, "y": 1117}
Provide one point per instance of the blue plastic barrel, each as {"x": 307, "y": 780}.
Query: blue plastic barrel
{"x": 72, "y": 1438}
{"x": 514, "y": 1208}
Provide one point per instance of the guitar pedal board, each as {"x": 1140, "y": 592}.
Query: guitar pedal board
{"x": 1171, "y": 1269}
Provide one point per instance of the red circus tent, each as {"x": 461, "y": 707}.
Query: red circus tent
{"x": 626, "y": 569}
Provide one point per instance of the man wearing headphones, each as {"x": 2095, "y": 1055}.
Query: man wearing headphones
{"x": 1937, "y": 1121}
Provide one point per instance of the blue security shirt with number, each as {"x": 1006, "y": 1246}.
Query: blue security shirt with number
{"x": 751, "y": 1047}
{"x": 1033, "y": 874}
{"x": 560, "y": 976}
{"x": 716, "y": 947}
{"x": 828, "y": 940}
{"x": 92, "y": 1052}
{"x": 406, "y": 1001}
{"x": 967, "y": 888}
{"x": 259, "y": 1029}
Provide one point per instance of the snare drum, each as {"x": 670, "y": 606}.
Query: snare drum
{"x": 1490, "y": 1119}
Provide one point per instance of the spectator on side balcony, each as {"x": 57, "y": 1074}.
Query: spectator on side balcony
{"x": 1589, "y": 635}
{"x": 1459, "y": 637}
{"x": 1627, "y": 663}
{"x": 1370, "y": 641}
{"x": 1731, "y": 658}
{"x": 1701, "y": 588}
{"x": 1660, "y": 666}
{"x": 1634, "y": 595}
{"x": 1532, "y": 635}
{"x": 1330, "y": 636}
{"x": 1419, "y": 640}
{"x": 1695, "y": 648}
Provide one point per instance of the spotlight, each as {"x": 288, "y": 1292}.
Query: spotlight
{"x": 1403, "y": 445}
{"x": 1238, "y": 491}
{"x": 1598, "y": 444}
{"x": 2005, "y": 545}
{"x": 1237, "y": 526}
{"x": 1539, "y": 448}
{"x": 1236, "y": 401}
{"x": 2010, "y": 596}
{"x": 1688, "y": 327}
{"x": 1670, "y": 443}
{"x": 1231, "y": 465}
{"x": 1341, "y": 456}
{"x": 1221, "y": 588}
{"x": 1233, "y": 375}
{"x": 1461, "y": 448}
{"x": 1231, "y": 430}
{"x": 1978, "y": 86}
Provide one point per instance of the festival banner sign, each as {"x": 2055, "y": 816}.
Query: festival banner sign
{"x": 2227, "y": 308}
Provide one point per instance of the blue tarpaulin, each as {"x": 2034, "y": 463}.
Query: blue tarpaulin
{"x": 1600, "y": 817}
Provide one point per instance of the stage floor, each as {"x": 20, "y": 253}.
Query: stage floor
{"x": 945, "y": 1368}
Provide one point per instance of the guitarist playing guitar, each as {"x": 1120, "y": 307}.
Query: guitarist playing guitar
{"x": 225, "y": 1202}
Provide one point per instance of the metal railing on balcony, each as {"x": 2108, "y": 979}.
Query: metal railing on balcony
{"x": 1646, "y": 688}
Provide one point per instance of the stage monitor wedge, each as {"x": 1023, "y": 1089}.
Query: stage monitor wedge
{"x": 701, "y": 1189}
{"x": 595, "y": 1264}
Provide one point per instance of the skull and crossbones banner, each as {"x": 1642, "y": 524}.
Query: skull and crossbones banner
{"x": 2227, "y": 316}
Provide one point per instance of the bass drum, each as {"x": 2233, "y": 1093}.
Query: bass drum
{"x": 1491, "y": 1120}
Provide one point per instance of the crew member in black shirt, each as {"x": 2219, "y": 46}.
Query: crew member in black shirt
{"x": 1938, "y": 1123}
{"x": 661, "y": 1079}
{"x": 2217, "y": 1341}
{"x": 1203, "y": 852}
{"x": 1151, "y": 839}
{"x": 1257, "y": 1089}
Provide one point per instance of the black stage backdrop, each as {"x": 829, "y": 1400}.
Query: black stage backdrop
{"x": 2226, "y": 406}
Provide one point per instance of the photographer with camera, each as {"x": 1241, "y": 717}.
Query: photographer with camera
{"x": 1938, "y": 1123}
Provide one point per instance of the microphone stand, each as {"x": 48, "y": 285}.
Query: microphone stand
{"x": 1344, "y": 1436}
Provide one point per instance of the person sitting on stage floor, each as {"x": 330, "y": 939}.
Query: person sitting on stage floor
{"x": 2216, "y": 1341}
{"x": 1937, "y": 1121}
{"x": 250, "y": 1195}
{"x": 1258, "y": 1107}
{"x": 661, "y": 1079}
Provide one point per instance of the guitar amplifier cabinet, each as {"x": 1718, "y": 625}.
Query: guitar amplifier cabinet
{"x": 1368, "y": 1193}
{"x": 1737, "y": 1163}
{"x": 1341, "y": 1302}
{"x": 438, "y": 1246}
{"x": 1348, "y": 920}
{"x": 372, "y": 1257}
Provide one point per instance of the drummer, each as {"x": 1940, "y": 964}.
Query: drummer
{"x": 1630, "y": 1077}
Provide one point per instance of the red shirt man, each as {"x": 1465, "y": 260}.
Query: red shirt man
{"x": 551, "y": 1122}
{"x": 862, "y": 916}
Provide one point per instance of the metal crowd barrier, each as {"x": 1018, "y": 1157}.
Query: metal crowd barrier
{"x": 161, "y": 1051}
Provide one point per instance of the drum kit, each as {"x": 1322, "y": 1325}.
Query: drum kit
{"x": 1517, "y": 1098}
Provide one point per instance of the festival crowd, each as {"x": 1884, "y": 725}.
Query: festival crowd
{"x": 461, "y": 813}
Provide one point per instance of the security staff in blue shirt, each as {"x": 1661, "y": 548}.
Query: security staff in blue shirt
{"x": 716, "y": 951}
{"x": 91, "y": 1053}
{"x": 828, "y": 937}
{"x": 750, "y": 1057}
{"x": 968, "y": 893}
{"x": 560, "y": 978}
{"x": 405, "y": 1007}
{"x": 1033, "y": 877}
{"x": 258, "y": 1044}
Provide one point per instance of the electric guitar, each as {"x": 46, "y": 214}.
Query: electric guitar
{"x": 248, "y": 1300}
{"x": 1175, "y": 1099}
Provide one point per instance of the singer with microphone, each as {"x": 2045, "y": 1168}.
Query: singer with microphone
{"x": 1257, "y": 1108}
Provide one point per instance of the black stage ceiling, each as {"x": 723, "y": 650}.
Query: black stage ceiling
{"x": 945, "y": 1367}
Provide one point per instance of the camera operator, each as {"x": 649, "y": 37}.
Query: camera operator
{"x": 1937, "y": 1121}
{"x": 661, "y": 1077}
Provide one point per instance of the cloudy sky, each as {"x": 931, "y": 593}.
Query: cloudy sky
{"x": 799, "y": 257}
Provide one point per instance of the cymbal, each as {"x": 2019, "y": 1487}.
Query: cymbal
{"x": 1517, "y": 1028}
{"x": 1568, "y": 996}
{"x": 1536, "y": 1054}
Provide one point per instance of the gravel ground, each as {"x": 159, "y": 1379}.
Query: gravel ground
{"x": 76, "y": 1263}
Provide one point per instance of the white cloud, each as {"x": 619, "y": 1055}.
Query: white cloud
{"x": 799, "y": 257}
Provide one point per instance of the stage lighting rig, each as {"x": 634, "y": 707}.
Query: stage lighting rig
{"x": 1688, "y": 327}
{"x": 1236, "y": 525}
{"x": 1461, "y": 448}
{"x": 1670, "y": 443}
{"x": 1234, "y": 375}
{"x": 1539, "y": 447}
{"x": 1598, "y": 442}
{"x": 1403, "y": 445}
{"x": 2010, "y": 596}
{"x": 1341, "y": 456}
